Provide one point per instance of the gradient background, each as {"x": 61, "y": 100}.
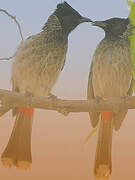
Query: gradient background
{"x": 58, "y": 143}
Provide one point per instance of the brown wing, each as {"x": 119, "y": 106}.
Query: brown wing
{"x": 94, "y": 116}
{"x": 16, "y": 89}
{"x": 120, "y": 116}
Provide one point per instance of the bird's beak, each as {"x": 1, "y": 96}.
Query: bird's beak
{"x": 101, "y": 24}
{"x": 84, "y": 19}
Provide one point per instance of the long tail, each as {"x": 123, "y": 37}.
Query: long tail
{"x": 103, "y": 162}
{"x": 18, "y": 151}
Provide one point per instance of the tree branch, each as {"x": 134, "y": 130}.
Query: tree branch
{"x": 12, "y": 99}
{"x": 8, "y": 58}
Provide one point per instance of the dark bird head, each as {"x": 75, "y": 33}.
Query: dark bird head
{"x": 116, "y": 27}
{"x": 69, "y": 17}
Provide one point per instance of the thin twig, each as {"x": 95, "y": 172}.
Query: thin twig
{"x": 14, "y": 18}
{"x": 5, "y": 59}
{"x": 20, "y": 31}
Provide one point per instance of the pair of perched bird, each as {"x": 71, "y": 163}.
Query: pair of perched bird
{"x": 38, "y": 63}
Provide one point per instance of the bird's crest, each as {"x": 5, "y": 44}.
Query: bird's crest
{"x": 64, "y": 9}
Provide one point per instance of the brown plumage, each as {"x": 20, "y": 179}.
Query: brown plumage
{"x": 37, "y": 64}
{"x": 110, "y": 76}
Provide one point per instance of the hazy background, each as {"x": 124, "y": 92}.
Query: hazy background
{"x": 58, "y": 143}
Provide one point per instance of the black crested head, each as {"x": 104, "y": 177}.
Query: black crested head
{"x": 116, "y": 27}
{"x": 69, "y": 17}
{"x": 64, "y": 9}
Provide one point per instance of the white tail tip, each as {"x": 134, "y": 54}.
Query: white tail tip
{"x": 22, "y": 165}
{"x": 103, "y": 171}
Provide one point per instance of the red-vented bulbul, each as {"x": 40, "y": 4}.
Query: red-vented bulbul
{"x": 110, "y": 76}
{"x": 36, "y": 67}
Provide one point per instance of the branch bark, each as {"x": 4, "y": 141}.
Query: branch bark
{"x": 13, "y": 99}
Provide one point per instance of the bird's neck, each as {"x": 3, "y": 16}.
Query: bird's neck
{"x": 53, "y": 24}
{"x": 116, "y": 38}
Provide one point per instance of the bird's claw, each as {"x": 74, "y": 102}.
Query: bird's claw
{"x": 125, "y": 98}
{"x": 98, "y": 99}
{"x": 63, "y": 111}
{"x": 52, "y": 97}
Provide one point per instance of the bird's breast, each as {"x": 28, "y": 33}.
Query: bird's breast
{"x": 37, "y": 65}
{"x": 111, "y": 73}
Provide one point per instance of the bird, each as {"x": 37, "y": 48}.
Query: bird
{"x": 110, "y": 76}
{"x": 36, "y": 66}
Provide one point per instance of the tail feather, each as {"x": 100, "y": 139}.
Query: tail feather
{"x": 4, "y": 110}
{"x": 118, "y": 119}
{"x": 18, "y": 150}
{"x": 103, "y": 162}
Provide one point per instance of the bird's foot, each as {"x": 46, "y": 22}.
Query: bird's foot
{"x": 63, "y": 111}
{"x": 52, "y": 97}
{"x": 28, "y": 96}
{"x": 98, "y": 99}
{"x": 125, "y": 98}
